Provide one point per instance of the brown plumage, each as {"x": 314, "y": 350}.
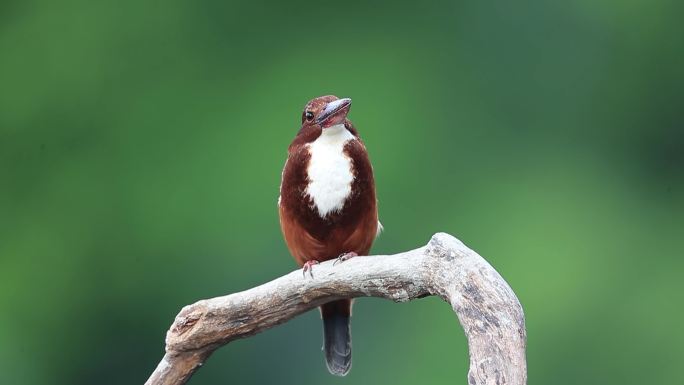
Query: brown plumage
{"x": 328, "y": 206}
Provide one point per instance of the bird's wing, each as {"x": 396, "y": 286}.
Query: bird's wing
{"x": 303, "y": 246}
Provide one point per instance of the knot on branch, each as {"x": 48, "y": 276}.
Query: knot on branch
{"x": 445, "y": 246}
{"x": 184, "y": 322}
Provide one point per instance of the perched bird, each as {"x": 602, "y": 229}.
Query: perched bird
{"x": 328, "y": 207}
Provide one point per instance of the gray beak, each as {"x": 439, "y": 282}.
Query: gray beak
{"x": 332, "y": 108}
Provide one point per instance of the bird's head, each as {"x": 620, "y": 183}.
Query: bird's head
{"x": 326, "y": 111}
{"x": 325, "y": 115}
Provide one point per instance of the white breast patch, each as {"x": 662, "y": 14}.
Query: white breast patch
{"x": 330, "y": 170}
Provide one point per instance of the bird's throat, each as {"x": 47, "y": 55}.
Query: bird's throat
{"x": 330, "y": 173}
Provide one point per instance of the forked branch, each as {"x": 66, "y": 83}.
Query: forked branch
{"x": 487, "y": 308}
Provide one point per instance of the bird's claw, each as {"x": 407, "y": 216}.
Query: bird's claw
{"x": 345, "y": 256}
{"x": 308, "y": 266}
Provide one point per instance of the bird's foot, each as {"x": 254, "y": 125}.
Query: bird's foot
{"x": 344, "y": 257}
{"x": 308, "y": 266}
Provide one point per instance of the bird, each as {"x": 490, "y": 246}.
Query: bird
{"x": 328, "y": 208}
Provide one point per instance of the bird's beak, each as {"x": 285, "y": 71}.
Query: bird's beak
{"x": 334, "y": 113}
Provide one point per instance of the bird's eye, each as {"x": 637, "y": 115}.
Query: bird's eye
{"x": 309, "y": 116}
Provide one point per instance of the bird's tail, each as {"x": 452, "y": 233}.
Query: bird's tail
{"x": 337, "y": 336}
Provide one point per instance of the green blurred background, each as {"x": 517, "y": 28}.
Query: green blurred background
{"x": 141, "y": 145}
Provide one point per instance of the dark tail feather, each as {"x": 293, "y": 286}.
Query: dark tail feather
{"x": 337, "y": 336}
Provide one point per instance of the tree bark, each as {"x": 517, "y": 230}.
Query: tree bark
{"x": 487, "y": 308}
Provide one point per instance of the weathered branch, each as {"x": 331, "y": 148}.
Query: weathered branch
{"x": 487, "y": 308}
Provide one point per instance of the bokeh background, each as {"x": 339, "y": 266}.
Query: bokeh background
{"x": 141, "y": 145}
